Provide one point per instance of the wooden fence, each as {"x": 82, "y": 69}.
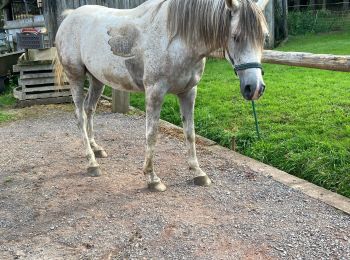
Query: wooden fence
{"x": 303, "y": 59}
{"x": 308, "y": 60}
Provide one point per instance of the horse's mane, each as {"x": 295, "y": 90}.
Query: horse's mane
{"x": 208, "y": 21}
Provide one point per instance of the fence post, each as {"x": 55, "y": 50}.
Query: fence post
{"x": 312, "y": 5}
{"x": 297, "y": 5}
{"x": 120, "y": 101}
{"x": 270, "y": 19}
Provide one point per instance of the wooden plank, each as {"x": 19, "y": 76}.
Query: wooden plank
{"x": 18, "y": 68}
{"x": 308, "y": 60}
{"x": 48, "y": 95}
{"x": 45, "y": 88}
{"x": 120, "y": 101}
{"x": 33, "y": 61}
{"x": 43, "y": 101}
{"x": 28, "y": 82}
{"x": 37, "y": 75}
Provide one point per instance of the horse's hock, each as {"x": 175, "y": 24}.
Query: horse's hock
{"x": 36, "y": 83}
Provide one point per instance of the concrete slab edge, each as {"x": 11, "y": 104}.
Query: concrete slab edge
{"x": 330, "y": 198}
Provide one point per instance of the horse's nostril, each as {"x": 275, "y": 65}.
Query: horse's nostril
{"x": 262, "y": 89}
{"x": 248, "y": 91}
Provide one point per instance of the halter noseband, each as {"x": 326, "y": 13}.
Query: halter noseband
{"x": 244, "y": 66}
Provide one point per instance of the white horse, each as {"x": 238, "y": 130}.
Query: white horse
{"x": 158, "y": 48}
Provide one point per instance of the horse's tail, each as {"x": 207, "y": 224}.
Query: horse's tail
{"x": 60, "y": 76}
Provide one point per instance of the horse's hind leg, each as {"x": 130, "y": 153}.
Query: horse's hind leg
{"x": 187, "y": 101}
{"x": 95, "y": 92}
{"x": 77, "y": 90}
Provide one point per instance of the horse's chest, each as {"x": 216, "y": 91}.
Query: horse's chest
{"x": 186, "y": 78}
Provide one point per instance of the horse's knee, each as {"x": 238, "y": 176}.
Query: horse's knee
{"x": 89, "y": 111}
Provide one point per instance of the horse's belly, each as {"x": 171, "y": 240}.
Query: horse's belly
{"x": 123, "y": 74}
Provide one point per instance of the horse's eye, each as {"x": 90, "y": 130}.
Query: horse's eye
{"x": 235, "y": 38}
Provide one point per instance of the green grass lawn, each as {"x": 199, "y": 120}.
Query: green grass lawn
{"x": 6, "y": 101}
{"x": 304, "y": 114}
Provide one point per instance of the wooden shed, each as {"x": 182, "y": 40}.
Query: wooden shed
{"x": 53, "y": 9}
{"x": 20, "y": 14}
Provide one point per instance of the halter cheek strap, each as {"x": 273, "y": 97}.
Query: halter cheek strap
{"x": 244, "y": 66}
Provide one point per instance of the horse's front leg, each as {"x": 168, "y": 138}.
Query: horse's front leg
{"x": 154, "y": 100}
{"x": 187, "y": 101}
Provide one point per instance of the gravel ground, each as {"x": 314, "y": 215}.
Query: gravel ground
{"x": 50, "y": 209}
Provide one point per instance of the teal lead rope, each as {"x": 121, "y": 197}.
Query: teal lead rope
{"x": 256, "y": 120}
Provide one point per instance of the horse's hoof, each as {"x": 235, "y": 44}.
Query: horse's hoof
{"x": 202, "y": 180}
{"x": 156, "y": 186}
{"x": 100, "y": 154}
{"x": 94, "y": 171}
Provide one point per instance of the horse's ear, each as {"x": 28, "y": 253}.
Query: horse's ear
{"x": 232, "y": 4}
{"x": 262, "y": 4}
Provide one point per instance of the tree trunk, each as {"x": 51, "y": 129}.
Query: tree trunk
{"x": 270, "y": 19}
{"x": 346, "y": 5}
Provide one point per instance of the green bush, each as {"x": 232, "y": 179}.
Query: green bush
{"x": 314, "y": 21}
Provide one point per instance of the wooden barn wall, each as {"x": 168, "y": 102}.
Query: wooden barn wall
{"x": 123, "y": 4}
{"x": 54, "y": 8}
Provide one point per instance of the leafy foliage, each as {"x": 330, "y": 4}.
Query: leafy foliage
{"x": 316, "y": 21}
{"x": 7, "y": 100}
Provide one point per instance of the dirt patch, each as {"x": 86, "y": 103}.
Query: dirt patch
{"x": 50, "y": 209}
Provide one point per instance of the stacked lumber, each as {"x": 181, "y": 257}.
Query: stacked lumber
{"x": 36, "y": 84}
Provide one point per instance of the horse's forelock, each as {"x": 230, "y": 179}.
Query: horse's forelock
{"x": 209, "y": 21}
{"x": 196, "y": 21}
{"x": 251, "y": 26}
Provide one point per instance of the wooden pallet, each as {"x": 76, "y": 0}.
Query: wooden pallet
{"x": 37, "y": 81}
